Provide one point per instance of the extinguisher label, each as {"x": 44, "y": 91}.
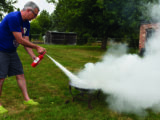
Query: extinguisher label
{"x": 36, "y": 60}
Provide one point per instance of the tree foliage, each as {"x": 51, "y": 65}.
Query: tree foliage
{"x": 44, "y": 21}
{"x": 35, "y": 27}
{"x": 6, "y": 6}
{"x": 51, "y": 1}
{"x": 101, "y": 18}
{"x": 41, "y": 24}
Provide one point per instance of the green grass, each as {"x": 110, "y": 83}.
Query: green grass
{"x": 48, "y": 85}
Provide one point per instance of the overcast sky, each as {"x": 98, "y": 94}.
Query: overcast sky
{"x": 43, "y": 5}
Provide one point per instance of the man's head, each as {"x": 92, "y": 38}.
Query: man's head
{"x": 30, "y": 11}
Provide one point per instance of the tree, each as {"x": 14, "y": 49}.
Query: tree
{"x": 51, "y": 1}
{"x": 101, "y": 18}
{"x": 53, "y": 26}
{"x": 73, "y": 16}
{"x": 6, "y": 6}
{"x": 35, "y": 27}
{"x": 44, "y": 21}
{"x": 41, "y": 24}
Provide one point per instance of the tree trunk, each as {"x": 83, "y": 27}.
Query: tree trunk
{"x": 104, "y": 44}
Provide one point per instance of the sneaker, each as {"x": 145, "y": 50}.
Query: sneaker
{"x": 31, "y": 102}
{"x": 3, "y": 110}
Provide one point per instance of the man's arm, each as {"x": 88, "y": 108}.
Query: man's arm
{"x": 27, "y": 43}
{"x": 29, "y": 50}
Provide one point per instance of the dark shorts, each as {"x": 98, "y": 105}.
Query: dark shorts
{"x": 10, "y": 64}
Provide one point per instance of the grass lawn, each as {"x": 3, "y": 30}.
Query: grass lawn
{"x": 48, "y": 85}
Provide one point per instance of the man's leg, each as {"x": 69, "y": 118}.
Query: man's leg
{"x": 1, "y": 85}
{"x": 2, "y": 109}
{"x": 4, "y": 63}
{"x": 22, "y": 84}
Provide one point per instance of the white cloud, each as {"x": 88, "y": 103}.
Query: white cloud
{"x": 43, "y": 5}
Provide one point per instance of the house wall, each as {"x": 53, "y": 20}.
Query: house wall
{"x": 143, "y": 34}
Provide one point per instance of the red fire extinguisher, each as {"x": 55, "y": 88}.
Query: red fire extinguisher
{"x": 37, "y": 60}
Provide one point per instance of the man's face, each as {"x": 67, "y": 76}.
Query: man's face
{"x": 32, "y": 14}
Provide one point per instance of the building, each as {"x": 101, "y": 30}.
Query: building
{"x": 60, "y": 38}
{"x": 146, "y": 31}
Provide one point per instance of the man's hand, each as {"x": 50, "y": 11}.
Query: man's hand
{"x": 34, "y": 57}
{"x": 40, "y": 50}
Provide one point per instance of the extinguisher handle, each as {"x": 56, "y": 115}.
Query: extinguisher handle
{"x": 43, "y": 53}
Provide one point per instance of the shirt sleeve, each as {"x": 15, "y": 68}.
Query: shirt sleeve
{"x": 14, "y": 24}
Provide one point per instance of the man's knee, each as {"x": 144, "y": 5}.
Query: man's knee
{"x": 1, "y": 80}
{"x": 20, "y": 77}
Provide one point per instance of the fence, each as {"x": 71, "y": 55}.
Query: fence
{"x": 71, "y": 39}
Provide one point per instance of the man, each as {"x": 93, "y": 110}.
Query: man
{"x": 14, "y": 30}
